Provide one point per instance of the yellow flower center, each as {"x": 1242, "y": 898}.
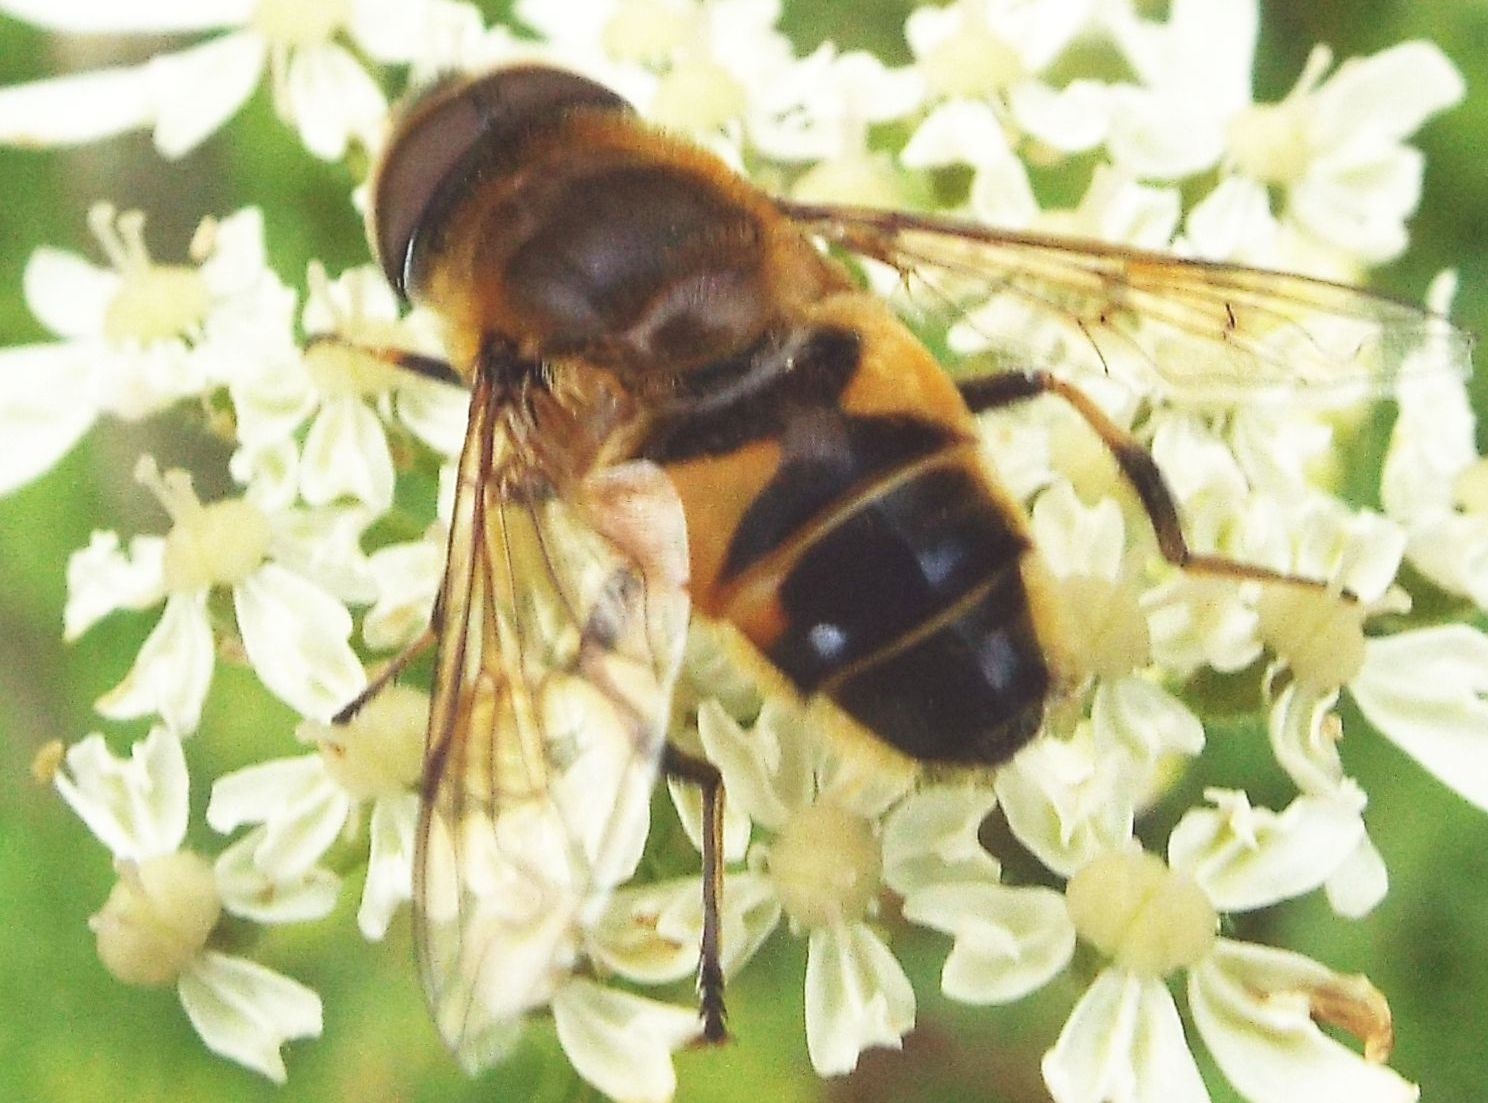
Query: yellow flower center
{"x": 379, "y": 752}
{"x": 1145, "y": 917}
{"x": 1268, "y": 142}
{"x": 208, "y": 545}
{"x": 826, "y": 865}
{"x": 157, "y": 918}
{"x": 1318, "y": 633}
{"x": 1470, "y": 488}
{"x": 300, "y": 22}
{"x": 344, "y": 370}
{"x": 697, "y": 97}
{"x": 644, "y": 31}
{"x": 859, "y": 179}
{"x": 972, "y": 62}
{"x": 154, "y": 302}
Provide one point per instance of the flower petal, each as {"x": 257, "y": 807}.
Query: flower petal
{"x": 75, "y": 109}
{"x": 390, "y": 863}
{"x": 856, "y": 996}
{"x": 250, "y": 891}
{"x": 1388, "y": 95}
{"x": 651, "y": 933}
{"x": 1009, "y": 941}
{"x": 136, "y": 807}
{"x": 1425, "y": 691}
{"x": 45, "y": 408}
{"x": 1068, "y": 802}
{"x": 346, "y": 452}
{"x": 196, "y": 90}
{"x": 621, "y": 1043}
{"x": 101, "y": 579}
{"x": 296, "y": 636}
{"x": 1246, "y": 858}
{"x": 1360, "y": 883}
{"x": 1123, "y": 1041}
{"x": 68, "y": 295}
{"x": 173, "y": 671}
{"x": 1255, "y": 1005}
{"x": 136, "y": 17}
{"x": 332, "y": 100}
{"x": 1144, "y": 718}
{"x": 931, "y": 838}
{"x": 246, "y": 1012}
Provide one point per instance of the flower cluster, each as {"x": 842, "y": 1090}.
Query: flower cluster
{"x": 317, "y": 564}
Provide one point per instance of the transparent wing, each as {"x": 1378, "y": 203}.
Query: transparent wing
{"x": 1188, "y": 328}
{"x": 562, "y": 623}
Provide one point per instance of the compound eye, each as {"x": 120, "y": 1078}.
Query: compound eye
{"x": 447, "y": 139}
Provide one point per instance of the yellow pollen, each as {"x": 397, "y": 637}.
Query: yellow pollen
{"x": 47, "y": 760}
{"x": 826, "y": 865}
{"x": 1145, "y": 917}
{"x": 300, "y": 22}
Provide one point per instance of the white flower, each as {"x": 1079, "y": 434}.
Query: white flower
{"x": 307, "y": 804}
{"x": 688, "y": 65}
{"x": 317, "y": 82}
{"x": 1335, "y": 147}
{"x": 136, "y": 336}
{"x": 824, "y": 867}
{"x": 819, "y": 109}
{"x": 622, "y": 1043}
{"x": 1008, "y": 941}
{"x": 1257, "y": 1009}
{"x": 992, "y": 54}
{"x": 294, "y": 631}
{"x": 1434, "y": 482}
{"x": 1425, "y": 691}
{"x": 348, "y": 394}
{"x": 157, "y": 923}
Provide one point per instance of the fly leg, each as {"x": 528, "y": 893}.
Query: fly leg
{"x": 430, "y": 367}
{"x": 390, "y": 670}
{"x": 679, "y": 764}
{"x": 1004, "y": 389}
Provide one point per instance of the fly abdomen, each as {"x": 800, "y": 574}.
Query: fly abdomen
{"x": 904, "y": 603}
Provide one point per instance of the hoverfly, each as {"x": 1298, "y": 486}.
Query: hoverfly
{"x": 679, "y": 400}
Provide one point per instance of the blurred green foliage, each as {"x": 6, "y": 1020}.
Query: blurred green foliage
{"x": 70, "y": 1033}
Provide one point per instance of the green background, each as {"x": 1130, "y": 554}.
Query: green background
{"x": 69, "y": 1032}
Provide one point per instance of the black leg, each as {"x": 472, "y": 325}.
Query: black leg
{"x": 679, "y": 764}
{"x": 395, "y": 666}
{"x": 1004, "y": 389}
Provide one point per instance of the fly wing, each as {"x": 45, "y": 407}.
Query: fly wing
{"x": 1190, "y": 329}
{"x": 562, "y": 618}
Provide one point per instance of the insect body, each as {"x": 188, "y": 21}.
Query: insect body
{"x": 837, "y": 510}
{"x": 676, "y": 394}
